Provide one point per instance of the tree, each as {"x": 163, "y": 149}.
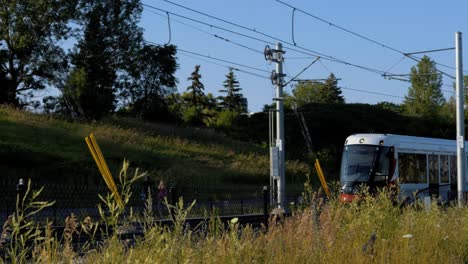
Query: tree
{"x": 424, "y": 95}
{"x": 449, "y": 108}
{"x": 154, "y": 81}
{"x": 107, "y": 52}
{"x": 330, "y": 92}
{"x": 315, "y": 92}
{"x": 233, "y": 100}
{"x": 196, "y": 89}
{"x": 30, "y": 57}
{"x": 390, "y": 107}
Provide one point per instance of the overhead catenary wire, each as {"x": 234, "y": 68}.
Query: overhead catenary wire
{"x": 187, "y": 53}
{"x": 302, "y": 50}
{"x": 191, "y": 55}
{"x": 328, "y": 22}
{"x": 299, "y": 49}
{"x": 222, "y": 60}
{"x": 169, "y": 28}
{"x": 226, "y": 66}
{"x": 292, "y": 26}
{"x": 208, "y": 33}
{"x": 302, "y": 71}
{"x": 369, "y": 92}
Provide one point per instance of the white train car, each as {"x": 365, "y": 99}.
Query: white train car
{"x": 427, "y": 166}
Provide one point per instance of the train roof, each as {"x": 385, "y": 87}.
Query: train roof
{"x": 403, "y": 142}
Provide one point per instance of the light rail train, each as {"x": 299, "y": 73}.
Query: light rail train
{"x": 426, "y": 166}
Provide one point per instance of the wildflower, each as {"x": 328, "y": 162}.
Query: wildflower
{"x": 408, "y": 236}
{"x": 234, "y": 220}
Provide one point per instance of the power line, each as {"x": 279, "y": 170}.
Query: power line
{"x": 222, "y": 60}
{"x": 302, "y": 51}
{"x": 226, "y": 61}
{"x": 365, "y": 37}
{"x": 309, "y": 52}
{"x": 226, "y": 66}
{"x": 376, "y": 93}
{"x": 340, "y": 27}
{"x": 208, "y": 33}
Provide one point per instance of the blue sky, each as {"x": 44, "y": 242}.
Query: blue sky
{"x": 407, "y": 26}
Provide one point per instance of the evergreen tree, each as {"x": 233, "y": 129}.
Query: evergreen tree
{"x": 233, "y": 100}
{"x": 196, "y": 89}
{"x": 424, "y": 96}
{"x": 330, "y": 91}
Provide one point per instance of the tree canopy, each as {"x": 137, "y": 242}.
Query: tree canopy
{"x": 307, "y": 92}
{"x": 30, "y": 56}
{"x": 424, "y": 96}
{"x": 107, "y": 53}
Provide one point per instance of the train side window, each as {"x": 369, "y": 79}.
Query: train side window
{"x": 453, "y": 169}
{"x": 444, "y": 169}
{"x": 412, "y": 168}
{"x": 433, "y": 168}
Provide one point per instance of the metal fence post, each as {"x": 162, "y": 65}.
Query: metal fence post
{"x": 20, "y": 191}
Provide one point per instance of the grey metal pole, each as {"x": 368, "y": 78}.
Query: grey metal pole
{"x": 280, "y": 127}
{"x": 461, "y": 160}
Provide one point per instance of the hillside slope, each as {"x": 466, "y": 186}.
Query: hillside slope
{"x": 51, "y": 150}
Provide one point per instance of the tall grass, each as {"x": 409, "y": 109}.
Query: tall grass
{"x": 371, "y": 231}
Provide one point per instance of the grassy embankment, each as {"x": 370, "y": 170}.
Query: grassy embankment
{"x": 52, "y": 150}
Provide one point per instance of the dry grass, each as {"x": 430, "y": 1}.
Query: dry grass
{"x": 373, "y": 231}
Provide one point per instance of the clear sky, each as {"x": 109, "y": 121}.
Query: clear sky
{"x": 407, "y": 26}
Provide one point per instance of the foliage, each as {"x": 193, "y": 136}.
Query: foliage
{"x": 315, "y": 92}
{"x": 147, "y": 94}
{"x": 233, "y": 100}
{"x": 23, "y": 229}
{"x": 196, "y": 90}
{"x": 425, "y": 96}
{"x": 30, "y": 54}
{"x": 112, "y": 213}
{"x": 390, "y": 107}
{"x": 226, "y": 118}
{"x": 107, "y": 52}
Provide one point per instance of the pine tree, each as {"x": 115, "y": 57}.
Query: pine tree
{"x": 330, "y": 91}
{"x": 425, "y": 96}
{"x": 196, "y": 89}
{"x": 233, "y": 100}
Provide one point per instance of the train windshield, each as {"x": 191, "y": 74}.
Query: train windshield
{"x": 364, "y": 163}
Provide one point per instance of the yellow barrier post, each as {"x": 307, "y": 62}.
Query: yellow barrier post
{"x": 102, "y": 166}
{"x": 322, "y": 177}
